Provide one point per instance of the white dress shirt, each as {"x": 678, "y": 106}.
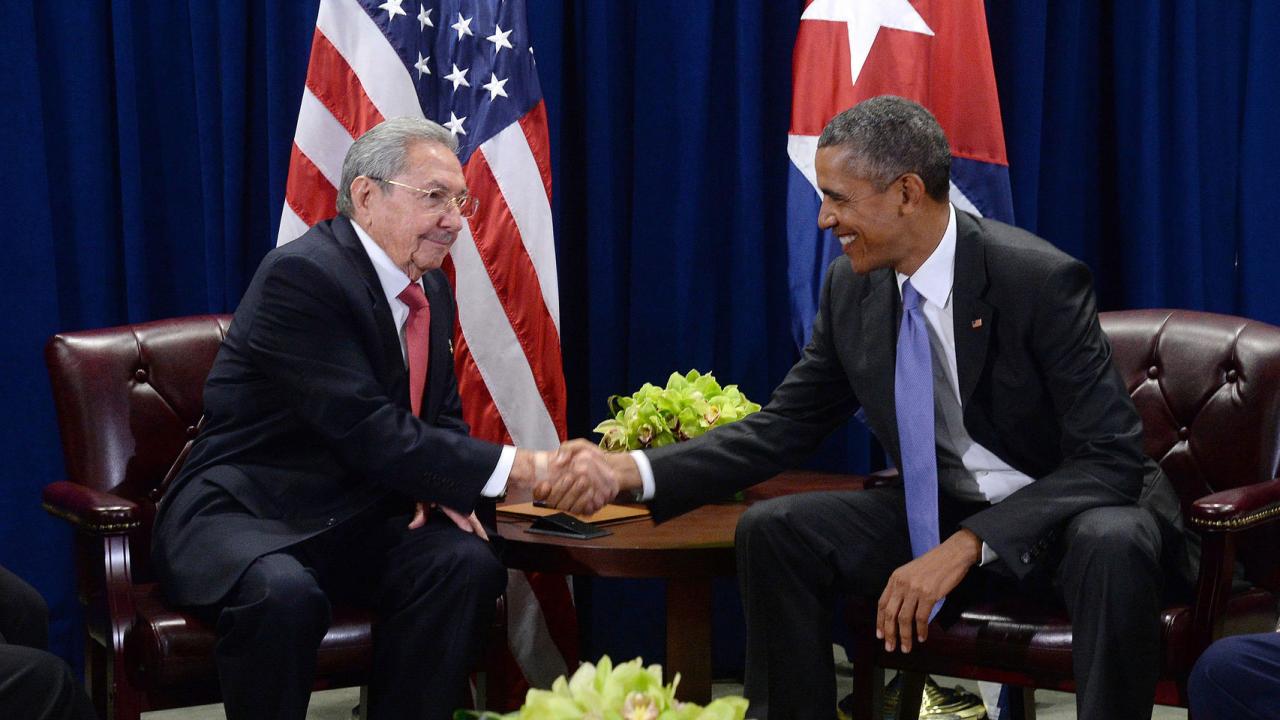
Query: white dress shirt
{"x": 995, "y": 479}
{"x": 394, "y": 281}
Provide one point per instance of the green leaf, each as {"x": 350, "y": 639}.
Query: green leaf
{"x": 608, "y": 692}
{"x": 726, "y": 708}
{"x": 543, "y": 705}
{"x": 707, "y": 385}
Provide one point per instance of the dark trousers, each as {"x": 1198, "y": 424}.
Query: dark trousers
{"x": 34, "y": 683}
{"x": 432, "y": 590}
{"x": 1237, "y": 678}
{"x": 797, "y": 554}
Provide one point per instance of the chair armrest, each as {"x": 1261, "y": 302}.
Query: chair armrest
{"x": 90, "y": 510}
{"x": 1238, "y": 508}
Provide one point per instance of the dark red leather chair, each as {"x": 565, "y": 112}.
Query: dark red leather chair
{"x": 128, "y": 401}
{"x": 1208, "y": 389}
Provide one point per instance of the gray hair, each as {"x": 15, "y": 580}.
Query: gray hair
{"x": 889, "y": 136}
{"x": 381, "y": 152}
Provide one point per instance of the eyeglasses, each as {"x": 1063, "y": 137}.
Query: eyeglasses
{"x": 436, "y": 201}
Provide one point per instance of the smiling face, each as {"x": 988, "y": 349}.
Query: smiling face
{"x": 870, "y": 221}
{"x": 397, "y": 218}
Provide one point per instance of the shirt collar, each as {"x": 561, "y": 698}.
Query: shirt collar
{"x": 934, "y": 277}
{"x": 392, "y": 278}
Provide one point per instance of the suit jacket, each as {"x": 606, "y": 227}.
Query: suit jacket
{"x": 308, "y": 418}
{"x": 1036, "y": 382}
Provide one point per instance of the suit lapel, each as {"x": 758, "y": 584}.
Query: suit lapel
{"x": 971, "y": 316}
{"x": 878, "y": 343}
{"x": 391, "y": 367}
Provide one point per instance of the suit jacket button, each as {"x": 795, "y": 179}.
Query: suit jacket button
{"x": 1026, "y": 558}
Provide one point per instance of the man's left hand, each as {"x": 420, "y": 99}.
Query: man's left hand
{"x": 914, "y": 588}
{"x": 582, "y": 480}
{"x": 468, "y": 523}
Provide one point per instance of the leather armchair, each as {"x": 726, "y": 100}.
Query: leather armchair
{"x": 1208, "y": 389}
{"x": 128, "y": 403}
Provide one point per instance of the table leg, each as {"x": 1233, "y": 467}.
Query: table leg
{"x": 689, "y": 637}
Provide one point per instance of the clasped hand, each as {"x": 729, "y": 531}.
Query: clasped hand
{"x": 575, "y": 478}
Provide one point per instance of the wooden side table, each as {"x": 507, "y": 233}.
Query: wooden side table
{"x": 687, "y": 551}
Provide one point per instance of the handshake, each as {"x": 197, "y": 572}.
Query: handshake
{"x": 578, "y": 477}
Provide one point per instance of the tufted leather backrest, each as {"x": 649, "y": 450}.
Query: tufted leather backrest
{"x": 1208, "y": 389}
{"x": 129, "y": 397}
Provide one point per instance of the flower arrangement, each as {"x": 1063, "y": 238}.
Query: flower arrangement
{"x": 687, "y": 407}
{"x": 629, "y": 691}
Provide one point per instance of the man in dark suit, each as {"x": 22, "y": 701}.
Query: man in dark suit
{"x": 35, "y": 684}
{"x": 1021, "y": 449}
{"x": 1237, "y": 678}
{"x": 332, "y": 409}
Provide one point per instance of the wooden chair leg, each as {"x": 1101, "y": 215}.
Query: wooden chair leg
{"x": 95, "y": 673}
{"x": 363, "y": 707}
{"x": 124, "y": 702}
{"x": 911, "y": 686}
{"x": 868, "y": 692}
{"x": 1022, "y": 704}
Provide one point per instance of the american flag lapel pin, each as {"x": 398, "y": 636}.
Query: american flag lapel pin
{"x": 976, "y": 324}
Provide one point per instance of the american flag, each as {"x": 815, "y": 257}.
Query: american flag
{"x": 933, "y": 52}
{"x": 469, "y": 66}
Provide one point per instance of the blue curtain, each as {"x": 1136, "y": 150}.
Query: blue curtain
{"x": 146, "y": 146}
{"x": 1142, "y": 139}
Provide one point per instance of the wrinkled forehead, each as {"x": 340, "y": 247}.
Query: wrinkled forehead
{"x": 838, "y": 166}
{"x": 430, "y": 165}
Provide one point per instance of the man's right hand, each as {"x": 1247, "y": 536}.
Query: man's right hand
{"x": 579, "y": 479}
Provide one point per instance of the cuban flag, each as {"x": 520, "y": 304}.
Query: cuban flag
{"x": 934, "y": 52}
{"x": 468, "y": 65}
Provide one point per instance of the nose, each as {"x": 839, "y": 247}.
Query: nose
{"x": 451, "y": 220}
{"x": 826, "y": 218}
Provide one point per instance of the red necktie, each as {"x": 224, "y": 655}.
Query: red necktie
{"x": 417, "y": 334}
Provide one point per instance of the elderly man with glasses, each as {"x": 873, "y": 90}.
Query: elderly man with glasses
{"x": 332, "y": 413}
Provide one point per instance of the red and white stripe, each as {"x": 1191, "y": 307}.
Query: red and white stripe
{"x": 503, "y": 264}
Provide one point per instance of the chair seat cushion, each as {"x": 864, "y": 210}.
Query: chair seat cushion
{"x": 1020, "y": 634}
{"x": 170, "y": 648}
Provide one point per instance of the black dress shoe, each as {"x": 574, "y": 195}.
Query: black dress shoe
{"x": 938, "y": 703}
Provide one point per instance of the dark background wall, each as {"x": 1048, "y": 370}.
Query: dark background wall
{"x": 145, "y": 147}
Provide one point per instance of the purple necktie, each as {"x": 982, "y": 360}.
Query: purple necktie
{"x": 913, "y": 399}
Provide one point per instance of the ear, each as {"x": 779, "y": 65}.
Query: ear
{"x": 911, "y": 192}
{"x": 361, "y": 190}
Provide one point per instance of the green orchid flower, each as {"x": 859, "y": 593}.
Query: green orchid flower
{"x": 689, "y": 406}
{"x": 629, "y": 691}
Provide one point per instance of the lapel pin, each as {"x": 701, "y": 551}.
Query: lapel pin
{"x": 451, "y": 347}
{"x": 976, "y": 324}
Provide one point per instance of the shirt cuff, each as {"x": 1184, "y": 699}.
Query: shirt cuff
{"x": 988, "y": 555}
{"x": 646, "y": 476}
{"x": 497, "y": 484}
